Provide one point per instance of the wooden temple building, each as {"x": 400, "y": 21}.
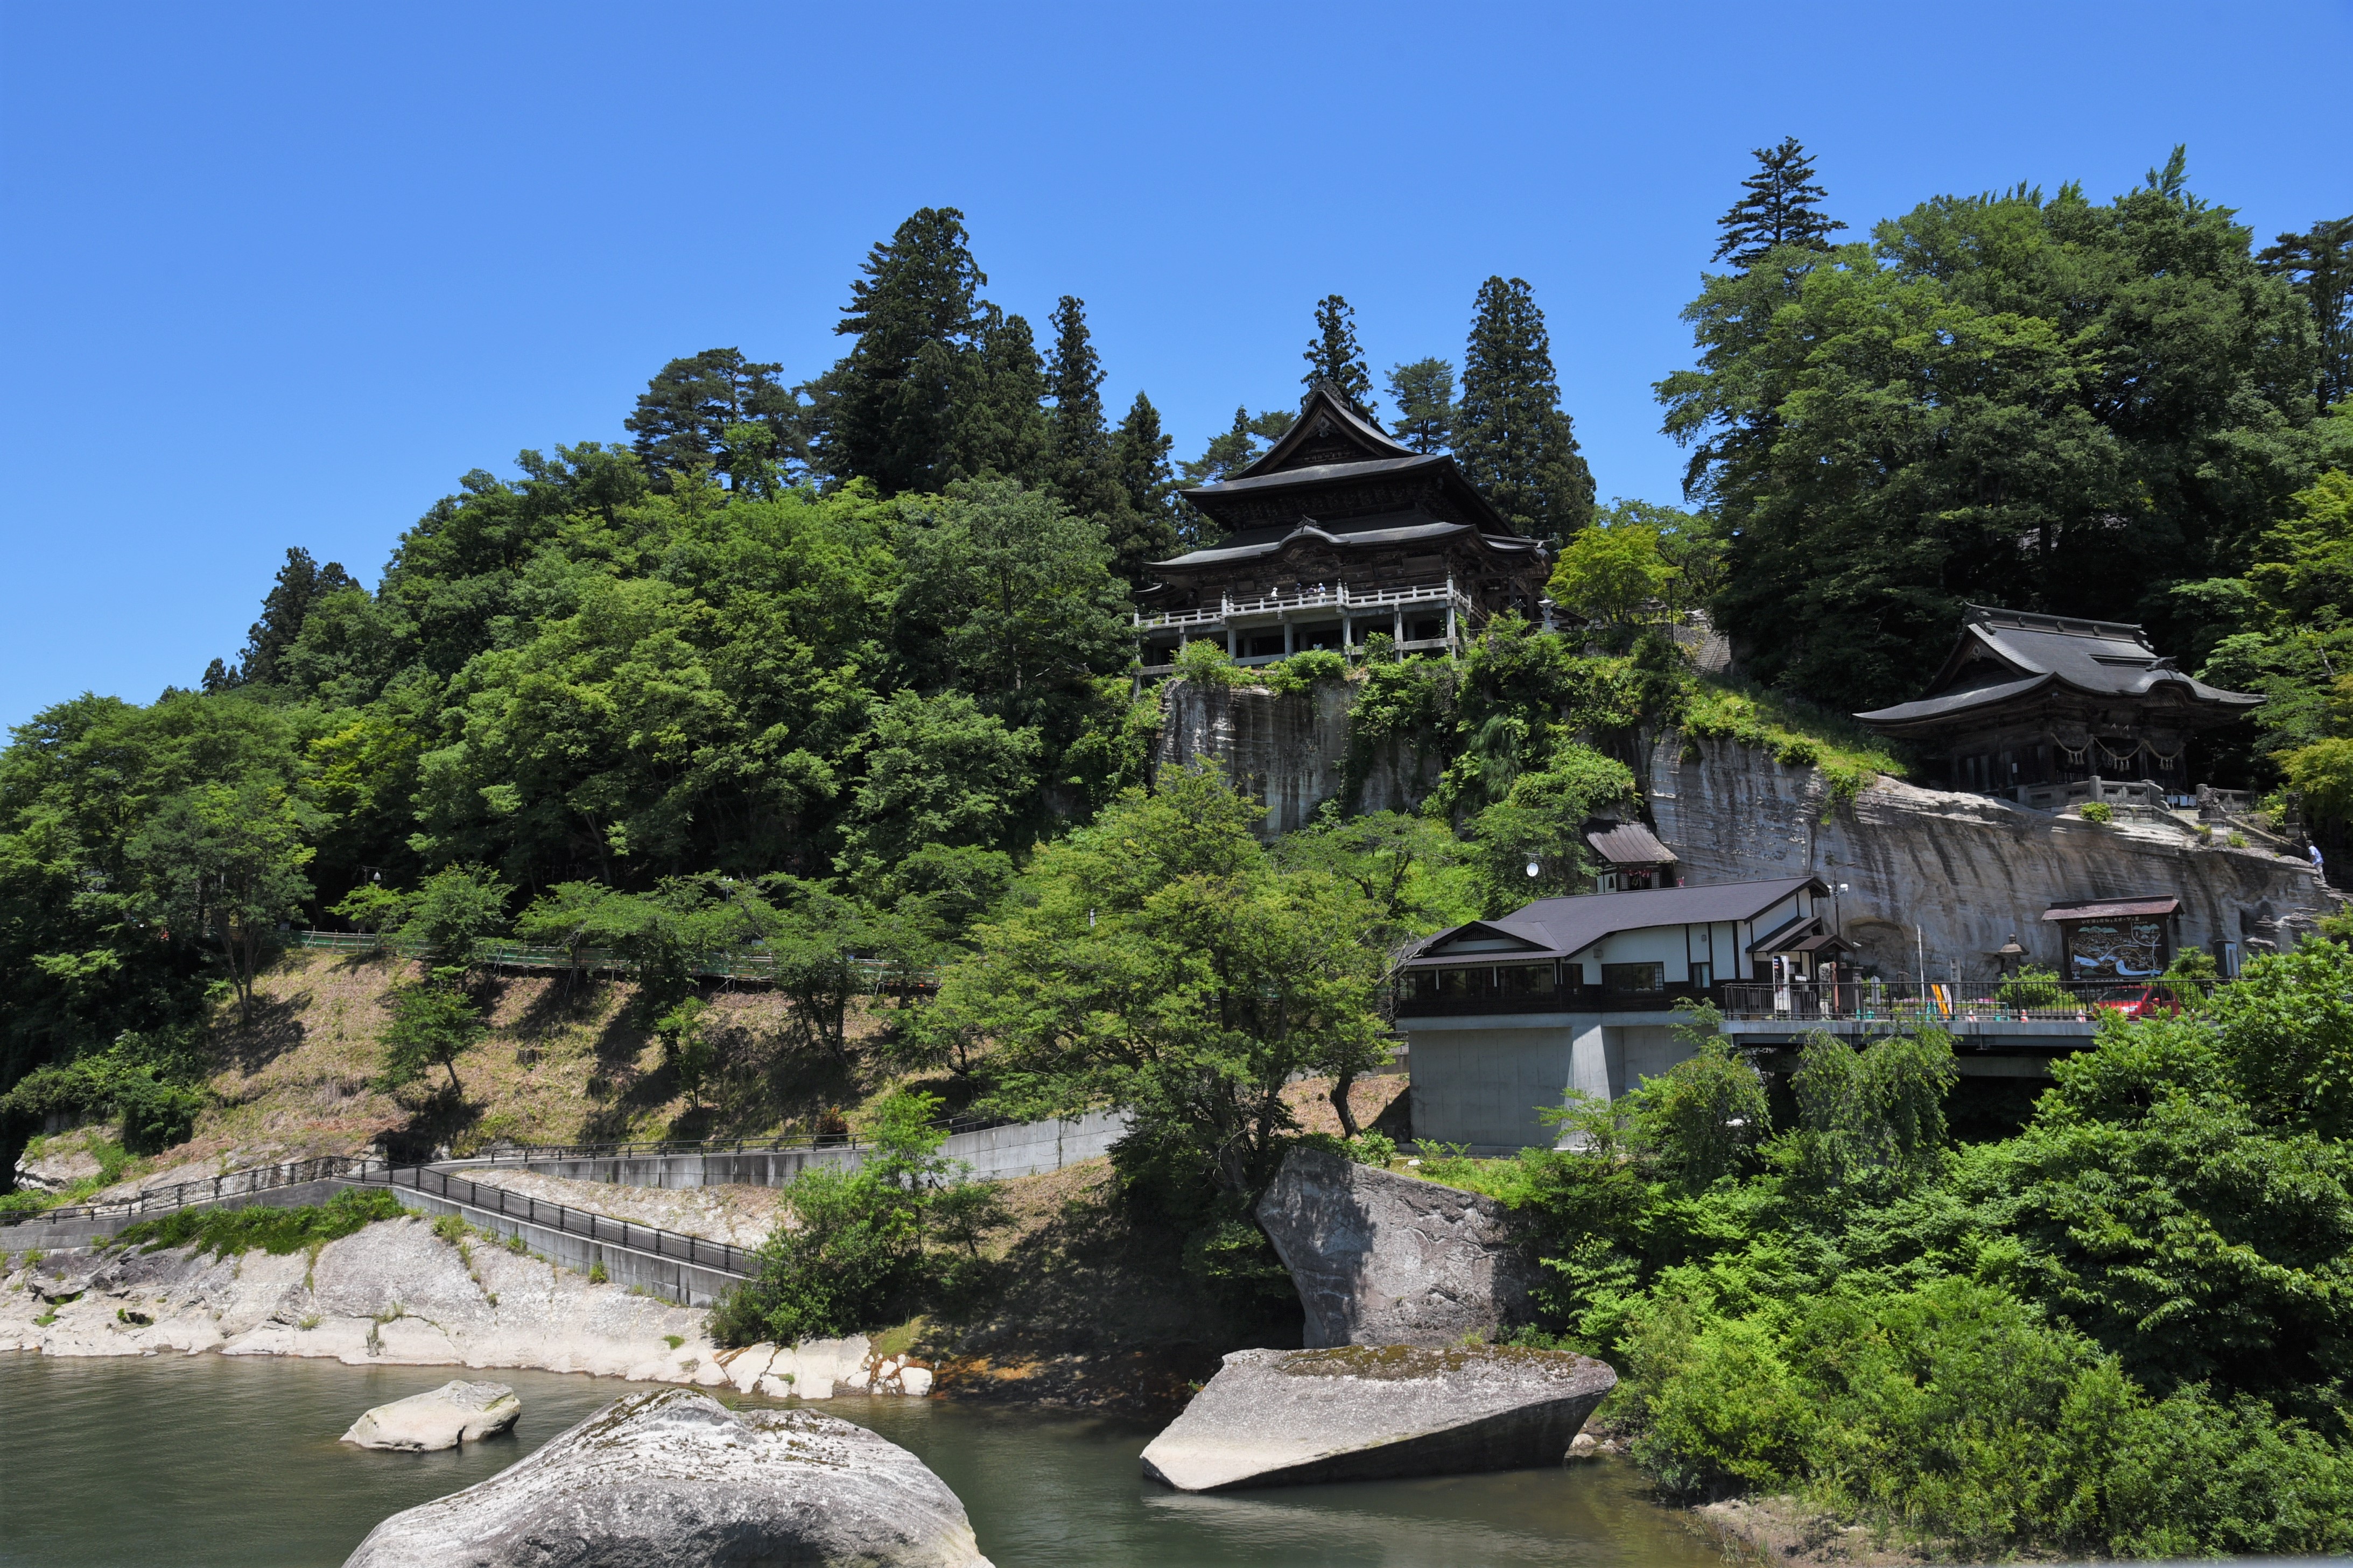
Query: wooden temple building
{"x": 2042, "y": 708}
{"x": 1337, "y": 533}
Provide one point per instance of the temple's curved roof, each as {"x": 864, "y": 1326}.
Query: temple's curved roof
{"x": 1405, "y": 528}
{"x": 2002, "y": 656}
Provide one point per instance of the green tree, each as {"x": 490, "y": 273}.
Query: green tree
{"x": 1873, "y": 1116}
{"x": 1706, "y": 1117}
{"x": 688, "y": 1047}
{"x": 1084, "y": 466}
{"x": 998, "y": 428}
{"x": 891, "y": 415}
{"x": 943, "y": 773}
{"x": 227, "y": 861}
{"x": 2006, "y": 400}
{"x": 719, "y": 410}
{"x": 1149, "y": 523}
{"x": 1510, "y": 434}
{"x": 433, "y": 1023}
{"x": 1167, "y": 967}
{"x": 1540, "y": 820}
{"x": 1424, "y": 394}
{"x": 1611, "y": 574}
{"x": 1781, "y": 206}
{"x": 2319, "y": 264}
{"x": 452, "y": 911}
{"x": 301, "y": 582}
{"x": 1334, "y": 355}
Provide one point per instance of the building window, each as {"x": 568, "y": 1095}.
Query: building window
{"x": 1264, "y": 644}
{"x": 1635, "y": 978}
{"x": 1703, "y": 976}
{"x": 1525, "y": 980}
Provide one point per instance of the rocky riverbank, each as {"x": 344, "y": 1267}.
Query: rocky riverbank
{"x": 398, "y": 1293}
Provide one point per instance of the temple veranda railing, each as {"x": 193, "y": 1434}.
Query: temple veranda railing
{"x": 1324, "y": 597}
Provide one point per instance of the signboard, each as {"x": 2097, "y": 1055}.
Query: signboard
{"x": 2128, "y": 948}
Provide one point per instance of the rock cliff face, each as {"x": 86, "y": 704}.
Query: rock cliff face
{"x": 1965, "y": 872}
{"x": 1288, "y": 749}
{"x": 1384, "y": 1259}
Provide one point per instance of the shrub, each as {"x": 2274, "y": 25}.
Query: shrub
{"x": 1302, "y": 671}
{"x": 1204, "y": 663}
{"x": 2032, "y": 987}
{"x": 2098, "y": 811}
{"x": 1374, "y": 1149}
{"x": 229, "y": 1232}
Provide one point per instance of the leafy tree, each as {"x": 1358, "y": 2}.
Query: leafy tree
{"x": 817, "y": 938}
{"x": 1541, "y": 820}
{"x": 1010, "y": 597}
{"x": 2005, "y": 399}
{"x": 942, "y": 774}
{"x": 453, "y": 910}
{"x": 856, "y": 1257}
{"x": 1706, "y": 1117}
{"x": 433, "y": 1023}
{"x": 719, "y": 410}
{"x": 1782, "y": 207}
{"x": 1334, "y": 355}
{"x": 1424, "y": 394}
{"x": 300, "y": 584}
{"x": 1875, "y": 1115}
{"x": 1148, "y": 524}
{"x": 1510, "y": 434}
{"x": 892, "y": 408}
{"x": 688, "y": 1047}
{"x": 1611, "y": 574}
{"x": 2319, "y": 264}
{"x": 1226, "y": 454}
{"x": 227, "y": 861}
{"x": 1168, "y": 967}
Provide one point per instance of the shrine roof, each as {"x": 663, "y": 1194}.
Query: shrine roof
{"x": 2003, "y": 654}
{"x": 1357, "y": 533}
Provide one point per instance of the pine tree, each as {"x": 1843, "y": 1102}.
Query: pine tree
{"x": 1510, "y": 434}
{"x": 1424, "y": 394}
{"x": 1226, "y": 455}
{"x": 1149, "y": 523}
{"x": 1082, "y": 468}
{"x": 1333, "y": 355}
{"x": 1781, "y": 209}
{"x": 2320, "y": 267}
{"x": 300, "y": 581}
{"x": 686, "y": 410}
{"x": 998, "y": 425}
{"x": 891, "y": 415}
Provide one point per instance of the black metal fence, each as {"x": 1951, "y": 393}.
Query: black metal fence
{"x": 651, "y": 1240}
{"x": 228, "y": 1184}
{"x": 1963, "y": 1001}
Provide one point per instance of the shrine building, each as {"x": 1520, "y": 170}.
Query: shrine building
{"x": 2040, "y": 708}
{"x": 1335, "y": 534}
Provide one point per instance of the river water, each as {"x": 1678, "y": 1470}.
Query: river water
{"x": 219, "y": 1462}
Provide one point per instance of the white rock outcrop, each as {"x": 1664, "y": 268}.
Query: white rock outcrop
{"x": 1274, "y": 1418}
{"x": 455, "y": 1412}
{"x": 673, "y": 1479}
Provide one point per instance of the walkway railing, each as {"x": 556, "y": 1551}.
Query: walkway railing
{"x": 1324, "y": 597}
{"x": 881, "y": 974}
{"x": 603, "y": 1229}
{"x": 1965, "y": 1001}
{"x": 228, "y": 1184}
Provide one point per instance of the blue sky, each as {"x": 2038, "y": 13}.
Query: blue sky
{"x": 278, "y": 274}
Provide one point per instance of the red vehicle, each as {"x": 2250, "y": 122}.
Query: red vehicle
{"x": 2135, "y": 1001}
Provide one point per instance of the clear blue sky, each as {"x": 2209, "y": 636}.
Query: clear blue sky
{"x": 278, "y": 274}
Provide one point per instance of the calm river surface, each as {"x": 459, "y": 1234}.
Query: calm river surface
{"x": 194, "y": 1462}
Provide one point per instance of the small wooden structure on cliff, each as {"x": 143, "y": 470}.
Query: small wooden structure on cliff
{"x": 2041, "y": 709}
{"x": 1339, "y": 532}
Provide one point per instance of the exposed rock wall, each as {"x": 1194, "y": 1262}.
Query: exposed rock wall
{"x": 1289, "y": 748}
{"x": 1384, "y": 1259}
{"x": 1966, "y": 871}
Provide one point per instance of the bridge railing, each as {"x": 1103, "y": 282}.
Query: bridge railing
{"x": 1965, "y": 1001}
{"x": 880, "y": 974}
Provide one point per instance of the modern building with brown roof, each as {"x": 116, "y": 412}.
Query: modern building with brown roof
{"x": 1337, "y": 533}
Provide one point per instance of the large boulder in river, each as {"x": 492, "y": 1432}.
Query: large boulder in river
{"x": 1274, "y": 1418}
{"x": 675, "y": 1479}
{"x": 1384, "y": 1259}
{"x": 452, "y": 1414}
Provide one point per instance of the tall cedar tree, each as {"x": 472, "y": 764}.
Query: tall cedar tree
{"x": 300, "y": 581}
{"x": 893, "y": 401}
{"x": 1150, "y": 517}
{"x": 1082, "y": 466}
{"x": 685, "y": 413}
{"x": 1510, "y": 434}
{"x": 2319, "y": 266}
{"x": 1780, "y": 208}
{"x": 1333, "y": 354}
{"x": 999, "y": 427}
{"x": 1424, "y": 393}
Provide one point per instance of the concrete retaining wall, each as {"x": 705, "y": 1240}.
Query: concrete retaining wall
{"x": 668, "y": 1277}
{"x": 38, "y": 1233}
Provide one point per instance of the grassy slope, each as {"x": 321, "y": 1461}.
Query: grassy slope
{"x": 561, "y": 1064}
{"x": 1797, "y": 733}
